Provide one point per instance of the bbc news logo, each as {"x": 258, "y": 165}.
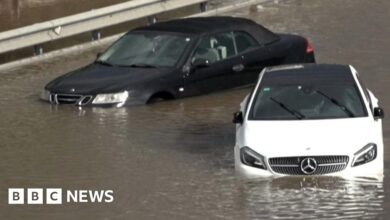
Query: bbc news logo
{"x": 39, "y": 196}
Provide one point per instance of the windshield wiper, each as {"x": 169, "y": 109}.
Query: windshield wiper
{"x": 334, "y": 101}
{"x": 296, "y": 113}
{"x": 140, "y": 65}
{"x": 104, "y": 63}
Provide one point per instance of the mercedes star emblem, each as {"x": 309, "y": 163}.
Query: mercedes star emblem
{"x": 308, "y": 166}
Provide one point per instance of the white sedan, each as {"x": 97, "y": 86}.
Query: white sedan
{"x": 313, "y": 119}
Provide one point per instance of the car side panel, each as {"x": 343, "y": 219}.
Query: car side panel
{"x": 254, "y": 62}
{"x": 217, "y": 76}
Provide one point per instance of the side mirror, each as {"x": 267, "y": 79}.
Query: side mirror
{"x": 379, "y": 113}
{"x": 200, "y": 63}
{"x": 238, "y": 118}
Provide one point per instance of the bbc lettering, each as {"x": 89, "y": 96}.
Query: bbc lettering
{"x": 52, "y": 196}
{"x": 15, "y": 196}
{"x": 34, "y": 196}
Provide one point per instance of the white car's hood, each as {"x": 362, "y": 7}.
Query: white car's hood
{"x": 310, "y": 137}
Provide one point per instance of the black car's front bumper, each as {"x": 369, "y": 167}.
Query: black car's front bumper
{"x": 85, "y": 100}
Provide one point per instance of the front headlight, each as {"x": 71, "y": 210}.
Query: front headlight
{"x": 45, "y": 95}
{"x": 111, "y": 98}
{"x": 366, "y": 154}
{"x": 251, "y": 158}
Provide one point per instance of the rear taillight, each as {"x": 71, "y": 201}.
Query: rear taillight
{"x": 309, "y": 47}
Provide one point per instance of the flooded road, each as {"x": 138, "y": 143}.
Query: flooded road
{"x": 174, "y": 160}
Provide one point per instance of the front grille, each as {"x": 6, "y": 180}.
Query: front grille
{"x": 68, "y": 99}
{"x": 74, "y": 99}
{"x": 324, "y": 164}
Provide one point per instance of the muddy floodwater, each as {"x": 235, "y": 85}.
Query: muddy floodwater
{"x": 174, "y": 160}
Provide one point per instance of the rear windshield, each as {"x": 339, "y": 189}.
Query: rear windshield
{"x": 300, "y": 96}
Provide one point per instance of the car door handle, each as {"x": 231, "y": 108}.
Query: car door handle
{"x": 238, "y": 68}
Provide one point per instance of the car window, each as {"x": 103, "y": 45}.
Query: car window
{"x": 214, "y": 48}
{"x": 290, "y": 96}
{"x": 146, "y": 48}
{"x": 244, "y": 41}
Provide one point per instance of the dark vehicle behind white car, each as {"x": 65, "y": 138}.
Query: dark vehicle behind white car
{"x": 176, "y": 59}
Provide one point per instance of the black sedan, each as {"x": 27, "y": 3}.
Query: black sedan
{"x": 178, "y": 58}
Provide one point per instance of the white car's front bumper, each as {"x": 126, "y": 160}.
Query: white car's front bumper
{"x": 373, "y": 169}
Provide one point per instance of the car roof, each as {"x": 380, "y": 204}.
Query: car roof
{"x": 310, "y": 67}
{"x": 301, "y": 73}
{"x": 198, "y": 25}
{"x": 204, "y": 25}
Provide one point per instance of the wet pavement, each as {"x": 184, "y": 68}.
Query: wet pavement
{"x": 174, "y": 160}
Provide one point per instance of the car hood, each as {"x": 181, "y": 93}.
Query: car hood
{"x": 97, "y": 78}
{"x": 310, "y": 137}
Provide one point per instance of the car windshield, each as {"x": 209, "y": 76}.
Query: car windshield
{"x": 286, "y": 98}
{"x": 146, "y": 49}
